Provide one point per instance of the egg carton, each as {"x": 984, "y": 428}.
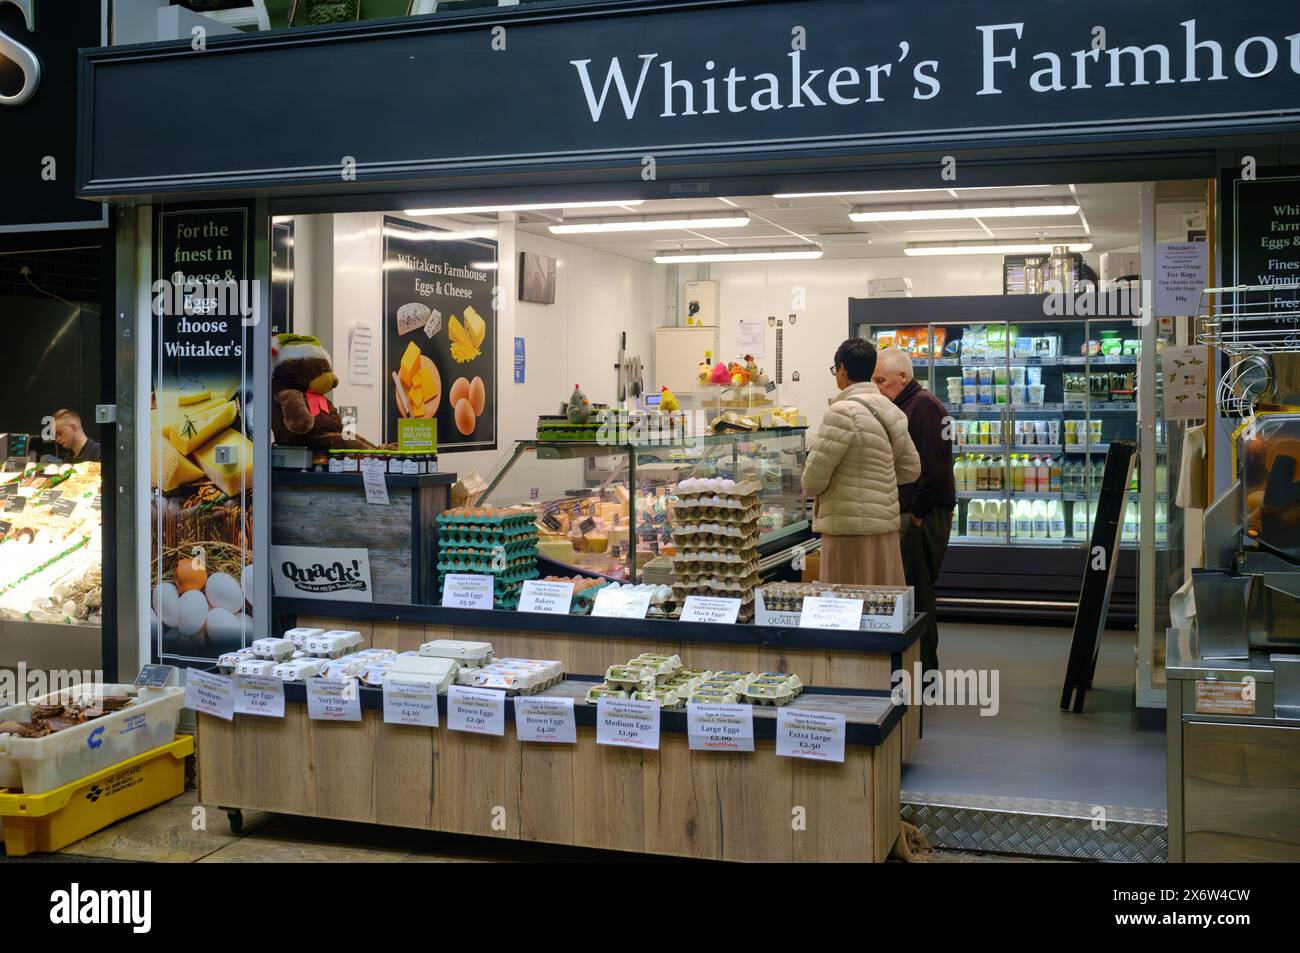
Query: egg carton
{"x": 483, "y": 565}
{"x": 276, "y": 650}
{"x": 717, "y": 514}
{"x": 229, "y": 661}
{"x": 667, "y": 698}
{"x": 519, "y": 676}
{"x": 482, "y": 521}
{"x": 510, "y": 579}
{"x": 729, "y": 530}
{"x": 474, "y": 654}
{"x": 686, "y": 559}
{"x": 264, "y": 668}
{"x": 457, "y": 537}
{"x": 299, "y": 636}
{"x": 699, "y": 573}
{"x": 717, "y": 486}
{"x": 597, "y": 692}
{"x": 697, "y": 500}
{"x": 716, "y": 586}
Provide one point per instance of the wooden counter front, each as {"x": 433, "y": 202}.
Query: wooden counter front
{"x": 706, "y": 805}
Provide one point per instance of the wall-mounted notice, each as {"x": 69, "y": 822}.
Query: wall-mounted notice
{"x": 1182, "y": 273}
{"x": 205, "y": 308}
{"x": 440, "y": 333}
{"x": 361, "y": 355}
{"x": 1185, "y": 370}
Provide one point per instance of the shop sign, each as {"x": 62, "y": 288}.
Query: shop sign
{"x": 720, "y": 727}
{"x": 546, "y": 720}
{"x": 627, "y": 723}
{"x": 259, "y": 695}
{"x": 38, "y": 112}
{"x": 309, "y": 572}
{"x": 673, "y": 82}
{"x": 410, "y": 701}
{"x": 816, "y": 735}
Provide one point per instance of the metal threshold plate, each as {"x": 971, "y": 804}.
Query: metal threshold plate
{"x": 1038, "y": 827}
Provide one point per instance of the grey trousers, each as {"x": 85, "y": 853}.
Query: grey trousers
{"x": 924, "y": 547}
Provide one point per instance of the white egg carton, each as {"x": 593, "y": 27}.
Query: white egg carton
{"x": 342, "y": 669}
{"x": 717, "y": 486}
{"x": 256, "y": 666}
{"x": 229, "y": 661}
{"x": 517, "y": 676}
{"x": 299, "y": 670}
{"x": 333, "y": 644}
{"x": 277, "y": 650}
{"x": 471, "y": 654}
{"x": 300, "y": 635}
{"x": 437, "y": 671}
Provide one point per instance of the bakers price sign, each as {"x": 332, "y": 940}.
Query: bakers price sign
{"x": 38, "y": 112}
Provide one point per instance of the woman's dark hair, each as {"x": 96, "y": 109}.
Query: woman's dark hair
{"x": 858, "y": 358}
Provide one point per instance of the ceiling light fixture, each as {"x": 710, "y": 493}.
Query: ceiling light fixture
{"x": 804, "y": 253}
{"x": 954, "y": 210}
{"x": 995, "y": 247}
{"x": 966, "y": 188}
{"x": 650, "y": 223}
{"x": 479, "y": 209}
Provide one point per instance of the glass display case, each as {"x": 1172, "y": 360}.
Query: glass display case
{"x": 607, "y": 508}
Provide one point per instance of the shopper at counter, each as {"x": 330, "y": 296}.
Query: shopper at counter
{"x": 861, "y": 453}
{"x": 927, "y": 504}
{"x": 72, "y": 438}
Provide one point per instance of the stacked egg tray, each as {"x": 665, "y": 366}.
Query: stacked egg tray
{"x": 663, "y": 679}
{"x": 884, "y": 608}
{"x": 715, "y": 528}
{"x": 491, "y": 542}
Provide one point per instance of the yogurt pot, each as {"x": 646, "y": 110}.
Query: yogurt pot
{"x": 1036, "y": 394}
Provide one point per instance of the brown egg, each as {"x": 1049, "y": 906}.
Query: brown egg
{"x": 464, "y": 416}
{"x": 477, "y": 395}
{"x": 459, "y": 391}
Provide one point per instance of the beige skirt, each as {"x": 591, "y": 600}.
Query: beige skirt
{"x": 863, "y": 560}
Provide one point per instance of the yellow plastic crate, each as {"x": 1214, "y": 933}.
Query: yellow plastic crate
{"x": 53, "y": 820}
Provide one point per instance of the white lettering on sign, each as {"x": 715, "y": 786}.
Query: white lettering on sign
{"x": 720, "y": 727}
{"x": 467, "y": 591}
{"x": 553, "y": 598}
{"x": 481, "y": 711}
{"x": 410, "y": 701}
{"x": 627, "y": 723}
{"x": 545, "y": 719}
{"x": 816, "y": 735}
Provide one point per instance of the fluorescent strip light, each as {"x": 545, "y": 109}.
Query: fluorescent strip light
{"x": 995, "y": 247}
{"x": 650, "y": 224}
{"x": 765, "y": 254}
{"x": 905, "y": 213}
{"x": 969, "y": 188}
{"x": 478, "y": 209}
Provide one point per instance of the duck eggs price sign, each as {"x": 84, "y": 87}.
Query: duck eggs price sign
{"x": 815, "y": 735}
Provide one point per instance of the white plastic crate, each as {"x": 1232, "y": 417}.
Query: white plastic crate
{"x": 37, "y": 765}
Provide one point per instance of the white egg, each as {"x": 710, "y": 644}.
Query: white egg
{"x": 193, "y": 612}
{"x": 223, "y": 626}
{"x": 246, "y": 583}
{"x": 224, "y": 592}
{"x": 245, "y": 624}
{"x": 153, "y": 625}
{"x": 166, "y": 602}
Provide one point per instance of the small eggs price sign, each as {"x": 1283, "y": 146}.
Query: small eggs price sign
{"x": 467, "y": 591}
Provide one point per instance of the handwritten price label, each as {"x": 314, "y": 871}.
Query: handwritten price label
{"x": 481, "y": 711}
{"x": 548, "y": 720}
{"x": 816, "y": 735}
{"x": 720, "y": 727}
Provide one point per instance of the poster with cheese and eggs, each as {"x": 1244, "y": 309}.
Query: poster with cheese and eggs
{"x": 205, "y": 311}
{"x": 440, "y": 333}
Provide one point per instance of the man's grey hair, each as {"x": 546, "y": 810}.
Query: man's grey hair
{"x": 891, "y": 360}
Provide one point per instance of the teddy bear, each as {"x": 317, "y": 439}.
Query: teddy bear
{"x": 301, "y": 414}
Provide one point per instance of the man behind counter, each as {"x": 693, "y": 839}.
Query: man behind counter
{"x": 70, "y": 436}
{"x": 928, "y": 503}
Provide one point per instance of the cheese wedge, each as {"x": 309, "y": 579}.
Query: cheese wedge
{"x": 176, "y": 470}
{"x": 416, "y": 393}
{"x": 232, "y": 479}
{"x": 409, "y": 366}
{"x": 426, "y": 381}
{"x": 194, "y": 430}
{"x": 193, "y": 397}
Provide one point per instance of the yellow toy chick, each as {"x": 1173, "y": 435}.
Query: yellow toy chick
{"x": 668, "y": 401}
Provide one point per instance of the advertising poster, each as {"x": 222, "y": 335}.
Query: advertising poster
{"x": 204, "y": 311}
{"x": 1266, "y": 252}
{"x": 440, "y": 334}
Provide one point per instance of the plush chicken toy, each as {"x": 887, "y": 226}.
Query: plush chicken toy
{"x": 668, "y": 401}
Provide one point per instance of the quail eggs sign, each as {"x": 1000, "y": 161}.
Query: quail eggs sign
{"x": 440, "y": 333}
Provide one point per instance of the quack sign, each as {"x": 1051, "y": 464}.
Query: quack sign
{"x": 341, "y": 575}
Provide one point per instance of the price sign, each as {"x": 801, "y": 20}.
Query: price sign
{"x": 548, "y": 720}
{"x": 467, "y": 591}
{"x": 410, "y": 701}
{"x": 550, "y": 522}
{"x": 64, "y": 508}
{"x": 826, "y": 612}
{"x": 15, "y": 504}
{"x": 16, "y": 465}
{"x": 713, "y": 609}
{"x": 550, "y": 509}
{"x": 333, "y": 701}
{"x": 533, "y": 492}
{"x": 481, "y": 711}
{"x": 770, "y": 386}
{"x": 586, "y": 526}
{"x": 621, "y": 604}
{"x": 259, "y": 695}
{"x": 210, "y": 694}
{"x": 816, "y": 735}
{"x": 554, "y": 598}
{"x": 627, "y": 723}
{"x": 373, "y": 477}
{"x": 720, "y": 727}
{"x": 5, "y": 527}
{"x": 155, "y": 676}
{"x": 51, "y": 496}
{"x": 9, "y": 489}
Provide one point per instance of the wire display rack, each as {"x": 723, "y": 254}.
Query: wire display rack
{"x": 1251, "y": 320}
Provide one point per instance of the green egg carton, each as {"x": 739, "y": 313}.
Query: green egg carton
{"x": 460, "y": 536}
